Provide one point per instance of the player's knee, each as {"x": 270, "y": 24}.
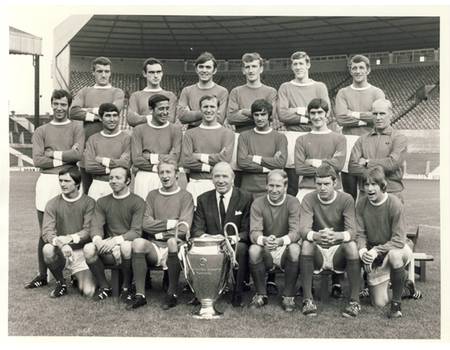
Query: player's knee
{"x": 293, "y": 251}
{"x": 241, "y": 248}
{"x": 350, "y": 250}
{"x": 89, "y": 251}
{"x": 172, "y": 245}
{"x": 138, "y": 245}
{"x": 307, "y": 248}
{"x": 395, "y": 258}
{"x": 125, "y": 249}
{"x": 255, "y": 253}
{"x": 49, "y": 252}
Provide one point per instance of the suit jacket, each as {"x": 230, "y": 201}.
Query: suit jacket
{"x": 206, "y": 216}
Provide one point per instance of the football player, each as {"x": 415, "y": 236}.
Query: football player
{"x": 57, "y": 145}
{"x": 188, "y": 111}
{"x": 116, "y": 223}
{"x": 327, "y": 226}
{"x": 105, "y": 150}
{"x": 138, "y": 107}
{"x": 66, "y": 228}
{"x": 88, "y": 99}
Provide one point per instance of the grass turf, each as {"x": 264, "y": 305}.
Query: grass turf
{"x": 32, "y": 312}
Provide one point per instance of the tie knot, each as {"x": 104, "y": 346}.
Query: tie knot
{"x": 222, "y": 196}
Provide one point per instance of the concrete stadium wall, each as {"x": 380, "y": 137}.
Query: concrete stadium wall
{"x": 423, "y": 141}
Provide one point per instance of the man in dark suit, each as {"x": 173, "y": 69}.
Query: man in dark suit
{"x": 217, "y": 207}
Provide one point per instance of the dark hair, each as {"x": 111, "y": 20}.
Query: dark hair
{"x": 153, "y": 100}
{"x": 58, "y": 94}
{"x": 376, "y": 174}
{"x": 208, "y": 98}
{"x": 299, "y": 55}
{"x": 280, "y": 172}
{"x": 205, "y": 56}
{"x": 252, "y": 56}
{"x": 150, "y": 61}
{"x": 358, "y": 59}
{"x": 74, "y": 173}
{"x": 262, "y": 105}
{"x": 107, "y": 107}
{"x": 326, "y": 170}
{"x": 317, "y": 103}
{"x": 104, "y": 61}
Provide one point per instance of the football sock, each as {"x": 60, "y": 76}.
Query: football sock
{"x": 271, "y": 277}
{"x": 242, "y": 259}
{"x": 125, "y": 267}
{"x": 56, "y": 267}
{"x": 336, "y": 278}
{"x": 290, "y": 277}
{"x": 307, "y": 269}
{"x": 353, "y": 270}
{"x": 174, "y": 268}
{"x": 139, "y": 263}
{"x": 41, "y": 262}
{"x": 258, "y": 272}
{"x": 397, "y": 277}
{"x": 98, "y": 270}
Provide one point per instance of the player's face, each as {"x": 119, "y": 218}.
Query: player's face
{"x": 102, "y": 73}
{"x": 68, "y": 186}
{"x": 261, "y": 119}
{"x": 318, "y": 117}
{"x": 373, "y": 190}
{"x": 222, "y": 178}
{"x": 118, "y": 180}
{"x": 60, "y": 108}
{"x": 161, "y": 113}
{"x": 276, "y": 188}
{"x": 381, "y": 115}
{"x": 325, "y": 187}
{"x": 252, "y": 70}
{"x": 300, "y": 68}
{"x": 209, "y": 110}
{"x": 110, "y": 121}
{"x": 205, "y": 71}
{"x": 359, "y": 72}
{"x": 153, "y": 74}
{"x": 167, "y": 175}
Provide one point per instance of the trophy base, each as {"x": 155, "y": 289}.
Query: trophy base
{"x": 207, "y": 311}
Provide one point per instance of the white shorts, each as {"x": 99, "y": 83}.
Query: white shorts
{"x": 47, "y": 187}
{"x": 99, "y": 189}
{"x": 76, "y": 262}
{"x": 163, "y": 253}
{"x": 302, "y": 192}
{"x": 197, "y": 187}
{"x": 277, "y": 253}
{"x": 382, "y": 273}
{"x": 328, "y": 255}
{"x": 144, "y": 182}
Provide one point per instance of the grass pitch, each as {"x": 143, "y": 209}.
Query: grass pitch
{"x": 33, "y": 313}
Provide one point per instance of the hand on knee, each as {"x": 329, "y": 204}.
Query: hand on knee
{"x": 90, "y": 252}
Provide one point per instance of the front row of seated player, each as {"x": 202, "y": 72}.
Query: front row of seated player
{"x": 274, "y": 230}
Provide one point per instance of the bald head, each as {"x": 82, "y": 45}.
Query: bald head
{"x": 382, "y": 113}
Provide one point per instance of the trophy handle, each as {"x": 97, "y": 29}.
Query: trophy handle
{"x": 228, "y": 243}
{"x": 188, "y": 232}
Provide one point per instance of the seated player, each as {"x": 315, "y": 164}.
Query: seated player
{"x": 381, "y": 238}
{"x": 116, "y": 223}
{"x": 66, "y": 227}
{"x": 220, "y": 206}
{"x": 327, "y": 226}
{"x": 167, "y": 207}
{"x": 274, "y": 234}
{"x": 205, "y": 146}
{"x": 106, "y": 149}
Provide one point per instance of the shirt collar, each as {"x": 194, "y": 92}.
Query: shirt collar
{"x": 387, "y": 131}
{"x": 169, "y": 193}
{"x": 327, "y": 202}
{"x": 147, "y": 89}
{"x": 158, "y": 126}
{"x": 311, "y": 82}
{"x": 262, "y": 132}
{"x": 71, "y": 200}
{"x": 206, "y": 88}
{"x": 226, "y": 196}
{"x": 328, "y": 131}
{"x": 360, "y": 89}
{"x": 53, "y": 122}
{"x": 102, "y": 87}
{"x": 110, "y": 135}
{"x": 277, "y": 204}
{"x": 122, "y": 196}
{"x": 381, "y": 202}
{"x": 203, "y": 126}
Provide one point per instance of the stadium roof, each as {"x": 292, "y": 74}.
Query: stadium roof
{"x": 227, "y": 37}
{"x": 23, "y": 43}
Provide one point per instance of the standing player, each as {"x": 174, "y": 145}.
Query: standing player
{"x": 219, "y": 206}
{"x": 57, "y": 145}
{"x": 66, "y": 229}
{"x": 320, "y": 146}
{"x": 188, "y": 111}
{"x": 274, "y": 233}
{"x": 383, "y": 146}
{"x": 88, "y": 99}
{"x": 293, "y": 99}
{"x": 327, "y": 226}
{"x": 152, "y": 142}
{"x": 205, "y": 146}
{"x": 242, "y": 97}
{"x": 260, "y": 149}
{"x": 116, "y": 223}
{"x": 105, "y": 150}
{"x": 166, "y": 207}
{"x": 353, "y": 109}
{"x": 138, "y": 108}
{"x": 381, "y": 237}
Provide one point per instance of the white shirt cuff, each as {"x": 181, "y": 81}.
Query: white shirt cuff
{"x": 54, "y": 241}
{"x": 301, "y": 111}
{"x": 260, "y": 241}
{"x": 95, "y": 110}
{"x": 356, "y": 115}
{"x": 347, "y": 236}
{"x": 89, "y": 117}
{"x": 75, "y": 238}
{"x": 265, "y": 170}
{"x": 154, "y": 158}
{"x": 206, "y": 168}
{"x": 155, "y": 168}
{"x": 119, "y": 239}
{"x": 149, "y": 118}
{"x": 286, "y": 240}
{"x": 204, "y": 158}
{"x": 107, "y": 170}
{"x": 57, "y": 162}
{"x": 362, "y": 123}
{"x": 373, "y": 252}
{"x": 159, "y": 236}
{"x": 234, "y": 239}
{"x": 106, "y": 161}
{"x": 316, "y": 162}
{"x": 310, "y": 236}
{"x": 361, "y": 252}
{"x": 96, "y": 238}
{"x": 257, "y": 159}
{"x": 171, "y": 224}
{"x": 304, "y": 120}
{"x": 57, "y": 155}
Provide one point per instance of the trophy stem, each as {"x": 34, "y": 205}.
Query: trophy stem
{"x": 207, "y": 310}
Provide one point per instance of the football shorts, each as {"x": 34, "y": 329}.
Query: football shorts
{"x": 197, "y": 187}
{"x": 47, "y": 187}
{"x": 99, "y": 189}
{"x": 76, "y": 262}
{"x": 328, "y": 255}
{"x": 302, "y": 192}
{"x": 162, "y": 254}
{"x": 144, "y": 182}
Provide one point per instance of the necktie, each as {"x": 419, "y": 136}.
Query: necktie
{"x": 222, "y": 210}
